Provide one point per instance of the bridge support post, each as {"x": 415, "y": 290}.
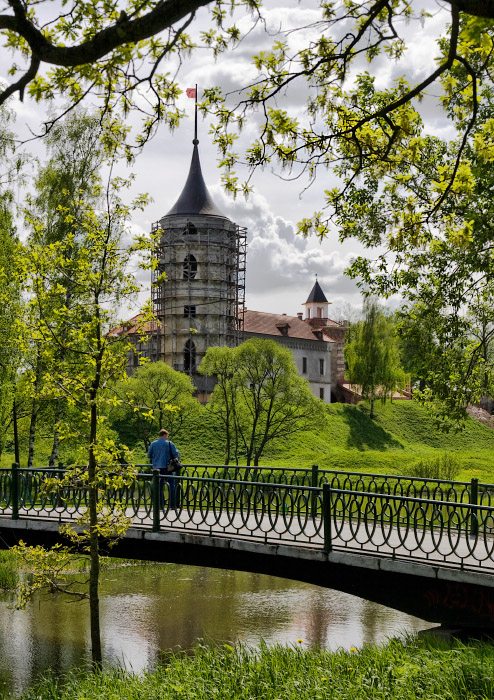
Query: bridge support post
{"x": 15, "y": 491}
{"x": 474, "y": 516}
{"x": 155, "y": 499}
{"x": 314, "y": 482}
{"x": 326, "y": 514}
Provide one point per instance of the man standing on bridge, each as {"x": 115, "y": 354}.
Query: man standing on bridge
{"x": 160, "y": 452}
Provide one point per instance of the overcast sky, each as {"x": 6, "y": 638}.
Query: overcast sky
{"x": 281, "y": 266}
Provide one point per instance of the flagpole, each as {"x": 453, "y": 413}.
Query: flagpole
{"x": 195, "y": 121}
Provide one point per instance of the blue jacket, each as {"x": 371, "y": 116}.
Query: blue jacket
{"x": 160, "y": 452}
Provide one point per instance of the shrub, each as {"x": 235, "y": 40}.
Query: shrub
{"x": 443, "y": 466}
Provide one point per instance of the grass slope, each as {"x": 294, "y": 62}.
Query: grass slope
{"x": 401, "y": 433}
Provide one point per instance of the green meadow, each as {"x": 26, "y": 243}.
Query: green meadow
{"x": 401, "y": 434}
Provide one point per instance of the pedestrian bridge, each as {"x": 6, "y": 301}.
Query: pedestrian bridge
{"x": 425, "y": 547}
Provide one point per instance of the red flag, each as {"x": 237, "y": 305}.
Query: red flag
{"x": 190, "y": 92}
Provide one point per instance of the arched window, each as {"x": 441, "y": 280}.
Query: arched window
{"x": 308, "y": 313}
{"x": 189, "y": 229}
{"x": 319, "y": 312}
{"x": 189, "y": 356}
{"x": 190, "y": 267}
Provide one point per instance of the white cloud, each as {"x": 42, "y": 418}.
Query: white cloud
{"x": 281, "y": 265}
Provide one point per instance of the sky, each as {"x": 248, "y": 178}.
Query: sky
{"x": 281, "y": 266}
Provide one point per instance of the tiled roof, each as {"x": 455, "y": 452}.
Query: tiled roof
{"x": 270, "y": 324}
{"x": 134, "y": 325}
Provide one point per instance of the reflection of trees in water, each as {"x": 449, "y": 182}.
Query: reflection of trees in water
{"x": 370, "y": 623}
{"x": 212, "y": 604}
{"x": 318, "y": 620}
{"x": 49, "y": 633}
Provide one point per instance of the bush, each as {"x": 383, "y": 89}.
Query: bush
{"x": 443, "y": 466}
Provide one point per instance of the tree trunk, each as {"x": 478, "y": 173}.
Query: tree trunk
{"x": 16, "y": 433}
{"x": 32, "y": 431}
{"x": 371, "y": 415}
{"x": 96, "y": 654}
{"x": 228, "y": 442}
{"x": 34, "y": 416}
{"x": 52, "y": 462}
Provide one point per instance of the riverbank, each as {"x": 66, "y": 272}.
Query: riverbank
{"x": 415, "y": 668}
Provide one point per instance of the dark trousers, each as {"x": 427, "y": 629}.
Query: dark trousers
{"x": 167, "y": 477}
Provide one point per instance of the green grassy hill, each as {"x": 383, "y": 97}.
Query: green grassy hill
{"x": 401, "y": 433}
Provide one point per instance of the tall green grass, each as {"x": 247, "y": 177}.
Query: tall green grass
{"x": 399, "y": 670}
{"x": 9, "y": 569}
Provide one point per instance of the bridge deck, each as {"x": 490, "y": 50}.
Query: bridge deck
{"x": 425, "y": 546}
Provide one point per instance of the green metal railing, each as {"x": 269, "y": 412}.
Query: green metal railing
{"x": 388, "y": 515}
{"x": 392, "y": 484}
{"x": 442, "y": 532}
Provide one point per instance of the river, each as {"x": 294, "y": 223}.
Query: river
{"x": 148, "y": 609}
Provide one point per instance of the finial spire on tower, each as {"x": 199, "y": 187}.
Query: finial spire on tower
{"x": 195, "y": 198}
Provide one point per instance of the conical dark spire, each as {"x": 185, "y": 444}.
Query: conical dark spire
{"x": 317, "y": 295}
{"x": 195, "y": 198}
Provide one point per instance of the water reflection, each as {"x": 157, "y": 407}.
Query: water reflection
{"x": 151, "y": 608}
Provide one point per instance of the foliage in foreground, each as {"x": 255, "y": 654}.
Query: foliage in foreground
{"x": 415, "y": 668}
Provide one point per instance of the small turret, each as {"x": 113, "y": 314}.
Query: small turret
{"x": 316, "y": 306}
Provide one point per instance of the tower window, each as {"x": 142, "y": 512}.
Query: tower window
{"x": 308, "y": 313}
{"x": 189, "y": 356}
{"x": 190, "y": 267}
{"x": 190, "y": 229}
{"x": 321, "y": 366}
{"x": 319, "y": 312}
{"x": 189, "y": 311}
{"x": 304, "y": 365}
{"x": 321, "y": 394}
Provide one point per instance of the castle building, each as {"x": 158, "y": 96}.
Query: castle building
{"x": 198, "y": 294}
{"x": 316, "y": 341}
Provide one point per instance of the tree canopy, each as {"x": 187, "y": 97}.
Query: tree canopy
{"x": 154, "y": 397}
{"x": 120, "y": 51}
{"x": 259, "y": 396}
{"x": 393, "y": 185}
{"x": 372, "y": 356}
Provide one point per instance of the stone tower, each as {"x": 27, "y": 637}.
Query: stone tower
{"x": 201, "y": 303}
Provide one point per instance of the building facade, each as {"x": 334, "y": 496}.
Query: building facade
{"x": 312, "y": 351}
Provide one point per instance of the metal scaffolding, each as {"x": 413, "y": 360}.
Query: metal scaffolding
{"x": 202, "y": 300}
